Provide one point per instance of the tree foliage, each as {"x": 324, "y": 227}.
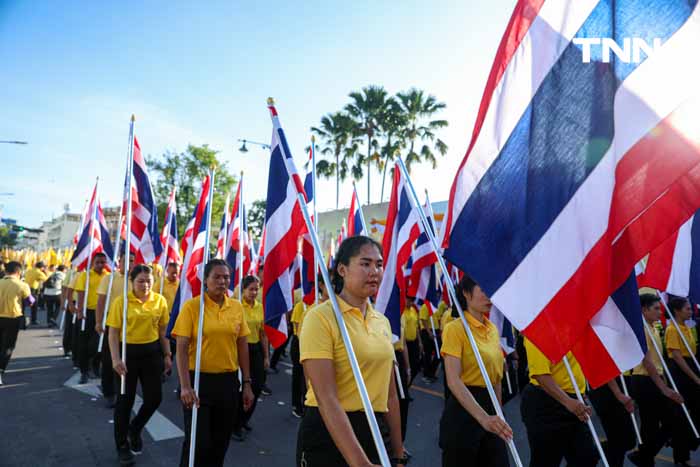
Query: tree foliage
{"x": 256, "y": 218}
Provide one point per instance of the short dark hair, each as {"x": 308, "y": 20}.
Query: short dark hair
{"x": 348, "y": 249}
{"x": 13, "y": 267}
{"x": 100, "y": 255}
{"x": 466, "y": 284}
{"x": 248, "y": 280}
{"x": 39, "y": 264}
{"x": 212, "y": 264}
{"x": 138, "y": 269}
{"x": 676, "y": 303}
{"x": 648, "y": 300}
{"x": 61, "y": 267}
{"x": 172, "y": 264}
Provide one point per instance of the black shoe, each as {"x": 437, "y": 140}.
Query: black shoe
{"x": 1, "y": 375}
{"x": 135, "y": 443}
{"x": 125, "y": 455}
{"x": 238, "y": 435}
{"x": 110, "y": 402}
{"x": 266, "y": 391}
{"x": 247, "y": 427}
{"x": 83, "y": 378}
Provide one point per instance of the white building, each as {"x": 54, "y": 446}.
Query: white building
{"x": 58, "y": 232}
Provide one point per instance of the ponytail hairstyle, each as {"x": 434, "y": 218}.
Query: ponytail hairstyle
{"x": 349, "y": 248}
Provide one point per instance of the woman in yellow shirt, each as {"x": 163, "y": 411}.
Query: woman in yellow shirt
{"x": 258, "y": 351}
{"x": 687, "y": 379}
{"x": 334, "y": 430}
{"x": 224, "y": 350}
{"x": 147, "y": 357}
{"x": 469, "y": 427}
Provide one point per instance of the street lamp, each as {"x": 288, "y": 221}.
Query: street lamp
{"x": 245, "y": 149}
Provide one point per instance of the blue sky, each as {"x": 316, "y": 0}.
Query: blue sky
{"x": 200, "y": 72}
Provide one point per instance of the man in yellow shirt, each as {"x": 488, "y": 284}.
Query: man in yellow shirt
{"x": 87, "y": 339}
{"x": 35, "y": 277}
{"x": 411, "y": 325}
{"x": 170, "y": 285}
{"x": 12, "y": 293}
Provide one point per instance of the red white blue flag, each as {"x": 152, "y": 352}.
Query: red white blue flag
{"x": 94, "y": 236}
{"x": 237, "y": 239}
{"x": 308, "y": 273}
{"x": 567, "y": 181}
{"x": 356, "y": 220}
{"x": 223, "y": 230}
{"x": 424, "y": 284}
{"x": 284, "y": 224}
{"x": 145, "y": 237}
{"x": 168, "y": 237}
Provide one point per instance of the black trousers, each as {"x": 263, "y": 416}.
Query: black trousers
{"x": 144, "y": 363}
{"x": 76, "y": 341}
{"x": 617, "y": 424}
{"x": 315, "y": 447}
{"x": 554, "y": 433}
{"x": 257, "y": 374}
{"x": 277, "y": 354}
{"x": 35, "y": 305}
{"x": 298, "y": 381}
{"x": 405, "y": 402}
{"x": 9, "y": 328}
{"x": 53, "y": 304}
{"x": 413, "y": 359}
{"x": 463, "y": 441}
{"x": 218, "y": 402}
{"x": 430, "y": 355}
{"x": 683, "y": 439}
{"x": 87, "y": 343}
{"x": 107, "y": 374}
{"x": 67, "y": 332}
{"x": 655, "y": 413}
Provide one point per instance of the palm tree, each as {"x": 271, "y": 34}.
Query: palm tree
{"x": 336, "y": 133}
{"x": 418, "y": 107}
{"x": 392, "y": 122}
{"x": 366, "y": 108}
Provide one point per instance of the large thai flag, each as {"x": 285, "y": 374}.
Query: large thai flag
{"x": 193, "y": 262}
{"x": 567, "y": 181}
{"x": 356, "y": 220}
{"x": 308, "y": 273}
{"x": 168, "y": 237}
{"x": 223, "y": 230}
{"x": 402, "y": 230}
{"x": 237, "y": 237}
{"x": 145, "y": 238}
{"x": 505, "y": 330}
{"x": 94, "y": 232}
{"x": 674, "y": 266}
{"x": 284, "y": 223}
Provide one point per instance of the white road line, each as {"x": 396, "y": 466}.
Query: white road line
{"x": 18, "y": 370}
{"x": 159, "y": 427}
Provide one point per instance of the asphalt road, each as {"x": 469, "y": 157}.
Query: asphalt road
{"x": 46, "y": 419}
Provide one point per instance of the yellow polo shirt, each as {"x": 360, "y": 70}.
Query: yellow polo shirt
{"x": 12, "y": 292}
{"x": 446, "y": 318}
{"x": 117, "y": 287}
{"x": 255, "y": 319}
{"x": 456, "y": 344}
{"x": 144, "y": 320}
{"x": 34, "y": 277}
{"x": 298, "y": 316}
{"x": 95, "y": 279}
{"x": 169, "y": 290}
{"x": 371, "y": 339}
{"x": 674, "y": 342}
{"x": 539, "y": 364}
{"x": 639, "y": 369}
{"x": 409, "y": 319}
{"x": 223, "y": 325}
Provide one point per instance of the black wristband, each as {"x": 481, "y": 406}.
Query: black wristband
{"x": 400, "y": 460}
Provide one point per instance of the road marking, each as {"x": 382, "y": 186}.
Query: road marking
{"x": 159, "y": 427}
{"x": 8, "y": 386}
{"x": 429, "y": 391}
{"x": 18, "y": 370}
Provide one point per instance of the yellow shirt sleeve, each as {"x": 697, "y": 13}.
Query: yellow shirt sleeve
{"x": 79, "y": 285}
{"x": 423, "y": 314}
{"x": 183, "y": 324}
{"x": 114, "y": 316}
{"x": 451, "y": 344}
{"x": 245, "y": 330}
{"x": 673, "y": 339}
{"x": 316, "y": 340}
{"x": 164, "y": 313}
{"x": 104, "y": 285}
{"x": 41, "y": 276}
{"x": 297, "y": 312}
{"x": 537, "y": 362}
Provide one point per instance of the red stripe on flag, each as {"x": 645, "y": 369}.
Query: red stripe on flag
{"x": 659, "y": 265}
{"x": 595, "y": 361}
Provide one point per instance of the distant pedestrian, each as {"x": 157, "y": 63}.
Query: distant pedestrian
{"x": 34, "y": 277}
{"x": 53, "y": 288}
{"x": 12, "y": 293}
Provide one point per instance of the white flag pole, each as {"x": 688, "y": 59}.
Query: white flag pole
{"x": 359, "y": 208}
{"x": 634, "y": 420}
{"x": 164, "y": 262}
{"x": 313, "y": 188}
{"x": 198, "y": 357}
{"x": 239, "y": 256}
{"x": 678, "y": 328}
{"x": 429, "y": 208}
{"x": 453, "y": 294}
{"x": 93, "y": 214}
{"x": 127, "y": 247}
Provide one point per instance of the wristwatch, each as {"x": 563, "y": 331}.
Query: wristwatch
{"x": 400, "y": 460}
{"x": 248, "y": 380}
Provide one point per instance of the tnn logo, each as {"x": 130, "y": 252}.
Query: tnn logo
{"x": 630, "y": 52}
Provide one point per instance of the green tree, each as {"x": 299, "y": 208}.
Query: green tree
{"x": 186, "y": 171}
{"x": 366, "y": 109}
{"x": 419, "y": 108}
{"x": 7, "y": 240}
{"x": 256, "y": 218}
{"x": 339, "y": 144}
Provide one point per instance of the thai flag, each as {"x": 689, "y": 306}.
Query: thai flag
{"x": 232, "y": 251}
{"x": 193, "y": 261}
{"x": 168, "y": 237}
{"x": 559, "y": 194}
{"x": 342, "y": 234}
{"x": 223, "y": 231}
{"x": 94, "y": 233}
{"x": 356, "y": 220}
{"x": 308, "y": 274}
{"x": 258, "y": 258}
{"x": 424, "y": 259}
{"x": 83, "y": 217}
{"x": 674, "y": 266}
{"x": 284, "y": 223}
{"x": 145, "y": 238}
{"x": 402, "y": 230}
{"x": 505, "y": 330}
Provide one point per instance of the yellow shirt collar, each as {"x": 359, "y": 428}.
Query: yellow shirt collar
{"x": 475, "y": 323}
{"x": 208, "y": 302}
{"x": 345, "y": 307}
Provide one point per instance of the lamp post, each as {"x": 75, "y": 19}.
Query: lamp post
{"x": 244, "y": 149}
{"x": 13, "y": 142}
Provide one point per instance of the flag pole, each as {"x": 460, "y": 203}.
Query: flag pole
{"x": 239, "y": 256}
{"x": 200, "y": 324}
{"x": 453, "y": 294}
{"x": 634, "y": 420}
{"x": 167, "y": 242}
{"x": 93, "y": 214}
{"x": 127, "y": 246}
{"x": 359, "y": 207}
{"x": 313, "y": 188}
{"x": 80, "y": 231}
{"x": 670, "y": 376}
{"x": 678, "y": 328}
{"x": 430, "y": 213}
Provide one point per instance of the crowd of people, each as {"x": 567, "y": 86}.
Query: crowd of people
{"x": 334, "y": 431}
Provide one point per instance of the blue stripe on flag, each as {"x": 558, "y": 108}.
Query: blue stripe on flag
{"x": 694, "y": 289}
{"x": 627, "y": 300}
{"x": 276, "y": 186}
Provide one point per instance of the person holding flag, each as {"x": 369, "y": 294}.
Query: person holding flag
{"x": 334, "y": 430}
{"x": 148, "y": 353}
{"x": 13, "y": 292}
{"x": 224, "y": 349}
{"x": 469, "y": 427}
{"x": 168, "y": 286}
